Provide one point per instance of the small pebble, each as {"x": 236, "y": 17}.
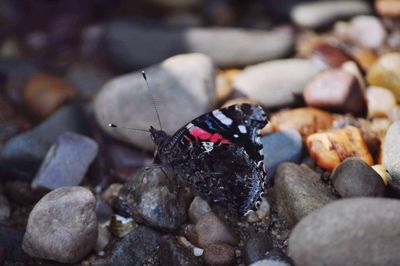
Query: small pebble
{"x": 381, "y": 171}
{"x": 329, "y": 55}
{"x": 103, "y": 238}
{"x": 388, "y": 8}
{"x": 198, "y": 208}
{"x": 381, "y": 102}
{"x": 110, "y": 195}
{"x": 391, "y": 154}
{"x": 367, "y": 31}
{"x": 219, "y": 255}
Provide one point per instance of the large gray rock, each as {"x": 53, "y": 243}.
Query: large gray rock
{"x": 276, "y": 83}
{"x": 185, "y": 83}
{"x": 321, "y": 13}
{"x": 62, "y": 226}
{"x": 350, "y": 232}
{"x": 299, "y": 191}
{"x": 132, "y": 45}
{"x": 391, "y": 153}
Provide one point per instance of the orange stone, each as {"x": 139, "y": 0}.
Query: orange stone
{"x": 389, "y": 8}
{"x": 330, "y": 148}
{"x": 239, "y": 101}
{"x": 306, "y": 120}
{"x": 223, "y": 83}
{"x": 44, "y": 93}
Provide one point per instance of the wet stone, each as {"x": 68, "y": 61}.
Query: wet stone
{"x": 219, "y": 255}
{"x": 171, "y": 253}
{"x": 155, "y": 199}
{"x": 78, "y": 150}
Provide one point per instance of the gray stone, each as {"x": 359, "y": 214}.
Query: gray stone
{"x": 276, "y": 83}
{"x": 321, "y": 13}
{"x": 185, "y": 83}
{"x": 355, "y": 178}
{"x": 66, "y": 162}
{"x": 391, "y": 154}
{"x": 283, "y": 146}
{"x": 198, "y": 208}
{"x": 135, "y": 248}
{"x": 299, "y": 191}
{"x": 367, "y": 31}
{"x": 22, "y": 154}
{"x": 173, "y": 254}
{"x": 62, "y": 226}
{"x": 219, "y": 254}
{"x": 132, "y": 45}
{"x": 155, "y": 199}
{"x": 349, "y": 232}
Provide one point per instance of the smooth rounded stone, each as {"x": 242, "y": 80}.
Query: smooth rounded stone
{"x": 171, "y": 253}
{"x": 381, "y": 102}
{"x": 336, "y": 90}
{"x": 211, "y": 230}
{"x": 256, "y": 246}
{"x": 44, "y": 93}
{"x": 77, "y": 150}
{"x": 381, "y": 171}
{"x": 130, "y": 44}
{"x": 87, "y": 79}
{"x": 136, "y": 248}
{"x": 4, "y": 209}
{"x": 388, "y": 8}
{"x": 283, "y": 146}
{"x": 274, "y": 257}
{"x": 22, "y": 154}
{"x": 319, "y": 14}
{"x": 348, "y": 232}
{"x": 391, "y": 154}
{"x": 347, "y": 142}
{"x": 305, "y": 120}
{"x": 299, "y": 191}
{"x": 62, "y": 226}
{"x": 277, "y": 83}
{"x": 198, "y": 208}
{"x": 219, "y": 255}
{"x": 367, "y": 31}
{"x": 385, "y": 72}
{"x": 183, "y": 82}
{"x": 155, "y": 199}
{"x": 355, "y": 178}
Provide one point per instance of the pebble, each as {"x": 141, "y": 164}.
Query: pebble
{"x": 385, "y": 72}
{"x": 173, "y": 254}
{"x": 388, "y": 8}
{"x": 381, "y": 102}
{"x": 381, "y": 171}
{"x": 198, "y": 208}
{"x": 211, "y": 230}
{"x": 66, "y": 162}
{"x": 275, "y": 257}
{"x": 277, "y": 83}
{"x": 283, "y": 146}
{"x": 4, "y": 209}
{"x": 110, "y": 195}
{"x": 187, "y": 81}
{"x": 223, "y": 83}
{"x": 391, "y": 154}
{"x": 256, "y": 246}
{"x": 44, "y": 94}
{"x": 357, "y": 231}
{"x": 367, "y": 31}
{"x": 355, "y": 178}
{"x": 219, "y": 255}
{"x": 336, "y": 90}
{"x": 264, "y": 211}
{"x": 329, "y": 55}
{"x": 299, "y": 191}
{"x": 103, "y": 238}
{"x": 305, "y": 120}
{"x": 318, "y": 14}
{"x": 62, "y": 226}
{"x": 130, "y": 44}
{"x": 136, "y": 248}
{"x": 330, "y": 148}
{"x": 23, "y": 153}
{"x": 155, "y": 199}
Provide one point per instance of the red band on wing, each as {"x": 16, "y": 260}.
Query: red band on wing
{"x": 201, "y": 134}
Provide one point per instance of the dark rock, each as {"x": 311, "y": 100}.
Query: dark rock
{"x": 219, "y": 255}
{"x": 22, "y": 154}
{"x": 172, "y": 254}
{"x": 355, "y": 178}
{"x": 62, "y": 226}
{"x": 103, "y": 211}
{"x": 198, "y": 208}
{"x": 299, "y": 191}
{"x": 357, "y": 231}
{"x": 155, "y": 199}
{"x": 256, "y": 246}
{"x": 66, "y": 162}
{"x": 4, "y": 209}
{"x": 20, "y": 192}
{"x": 135, "y": 248}
{"x": 11, "y": 242}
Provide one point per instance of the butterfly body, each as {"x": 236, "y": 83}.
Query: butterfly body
{"x": 220, "y": 154}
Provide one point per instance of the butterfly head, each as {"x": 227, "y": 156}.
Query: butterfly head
{"x": 158, "y": 136}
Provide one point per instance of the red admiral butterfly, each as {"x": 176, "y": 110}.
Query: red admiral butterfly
{"x": 220, "y": 154}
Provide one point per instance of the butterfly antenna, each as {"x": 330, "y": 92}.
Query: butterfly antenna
{"x": 129, "y": 128}
{"x": 152, "y": 98}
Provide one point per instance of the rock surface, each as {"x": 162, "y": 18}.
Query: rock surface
{"x": 359, "y": 231}
{"x": 367, "y": 31}
{"x": 173, "y": 254}
{"x": 187, "y": 81}
{"x": 198, "y": 208}
{"x": 219, "y": 254}
{"x": 391, "y": 153}
{"x": 381, "y": 102}
{"x": 62, "y": 226}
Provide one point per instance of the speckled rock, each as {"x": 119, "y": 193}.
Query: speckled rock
{"x": 391, "y": 154}
{"x": 359, "y": 231}
{"x": 219, "y": 255}
{"x": 276, "y": 83}
{"x": 62, "y": 226}
{"x": 187, "y": 81}
{"x": 299, "y": 191}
